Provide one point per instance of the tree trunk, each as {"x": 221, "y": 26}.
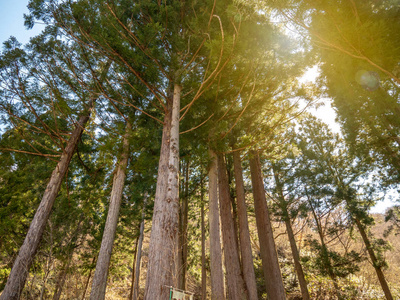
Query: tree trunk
{"x": 164, "y": 230}
{"x": 61, "y": 278}
{"x": 133, "y": 268}
{"x": 99, "y": 283}
{"x": 233, "y": 202}
{"x": 269, "y": 257}
{"x": 244, "y": 233}
{"x": 88, "y": 280}
{"x": 296, "y": 257}
{"x": 135, "y": 294}
{"x": 235, "y": 282}
{"x": 324, "y": 251}
{"x": 23, "y": 262}
{"x": 183, "y": 242}
{"x": 203, "y": 246}
{"x": 217, "y": 275}
{"x": 374, "y": 260}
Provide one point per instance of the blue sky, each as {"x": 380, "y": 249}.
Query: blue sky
{"x": 12, "y": 21}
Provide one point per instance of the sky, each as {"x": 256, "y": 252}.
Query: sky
{"x": 12, "y": 24}
{"x": 12, "y": 21}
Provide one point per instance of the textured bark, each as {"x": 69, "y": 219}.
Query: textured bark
{"x": 23, "y": 262}
{"x": 99, "y": 282}
{"x": 244, "y": 233}
{"x": 374, "y": 260}
{"x": 217, "y": 275}
{"x": 135, "y": 294}
{"x": 183, "y": 242}
{"x": 269, "y": 257}
{"x": 296, "y": 257}
{"x": 235, "y": 282}
{"x": 164, "y": 231}
{"x": 203, "y": 246}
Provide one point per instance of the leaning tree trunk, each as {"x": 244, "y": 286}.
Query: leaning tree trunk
{"x": 269, "y": 257}
{"x": 235, "y": 282}
{"x": 325, "y": 253}
{"x": 135, "y": 293}
{"x": 244, "y": 233}
{"x": 164, "y": 231}
{"x": 88, "y": 279}
{"x": 217, "y": 275}
{"x": 23, "y": 262}
{"x": 375, "y": 263}
{"x": 296, "y": 257}
{"x": 99, "y": 282}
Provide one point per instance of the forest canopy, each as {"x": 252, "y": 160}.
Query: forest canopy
{"x": 157, "y": 149}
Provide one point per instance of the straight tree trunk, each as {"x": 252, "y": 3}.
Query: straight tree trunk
{"x": 99, "y": 283}
{"x": 269, "y": 257}
{"x": 133, "y": 268}
{"x": 135, "y": 294}
{"x": 296, "y": 257}
{"x": 203, "y": 246}
{"x": 19, "y": 272}
{"x": 217, "y": 275}
{"x": 164, "y": 231}
{"x": 183, "y": 242}
{"x": 374, "y": 260}
{"x": 233, "y": 202}
{"x": 235, "y": 282}
{"x": 244, "y": 233}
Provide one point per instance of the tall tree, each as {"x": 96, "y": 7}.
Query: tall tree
{"x": 272, "y": 272}
{"x": 99, "y": 283}
{"x": 244, "y": 233}
{"x": 343, "y": 172}
{"x": 28, "y": 250}
{"x": 217, "y": 275}
{"x": 235, "y": 283}
{"x": 284, "y": 205}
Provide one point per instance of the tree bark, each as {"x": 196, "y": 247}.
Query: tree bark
{"x": 135, "y": 294}
{"x": 217, "y": 275}
{"x": 183, "y": 242}
{"x": 374, "y": 260}
{"x": 235, "y": 282}
{"x": 203, "y": 246}
{"x": 269, "y": 257}
{"x": 19, "y": 272}
{"x": 99, "y": 283}
{"x": 244, "y": 233}
{"x": 164, "y": 230}
{"x": 296, "y": 257}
